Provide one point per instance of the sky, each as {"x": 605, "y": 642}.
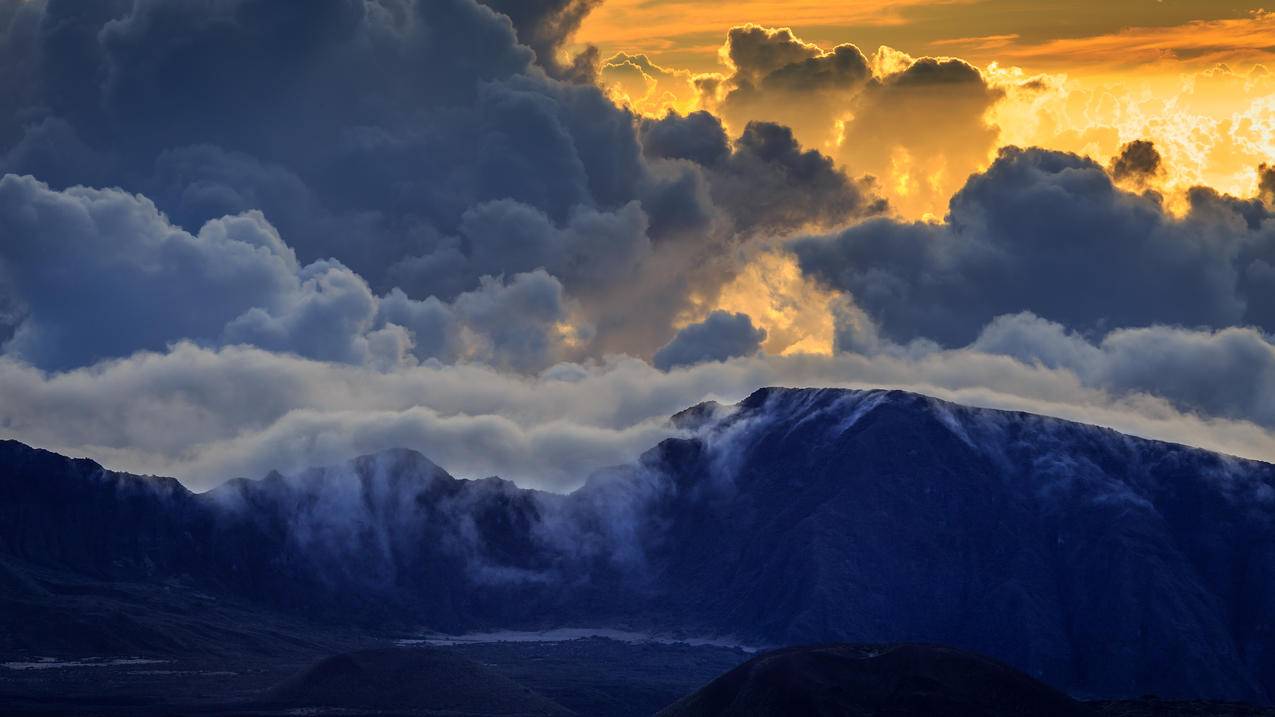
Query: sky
{"x": 517, "y": 235}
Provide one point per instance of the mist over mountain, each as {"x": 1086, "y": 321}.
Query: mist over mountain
{"x": 1101, "y": 564}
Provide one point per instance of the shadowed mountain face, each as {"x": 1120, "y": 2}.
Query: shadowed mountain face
{"x": 850, "y": 681}
{"x": 410, "y": 680}
{"x": 1099, "y": 563}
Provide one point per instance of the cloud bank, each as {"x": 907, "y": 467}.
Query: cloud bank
{"x": 237, "y": 235}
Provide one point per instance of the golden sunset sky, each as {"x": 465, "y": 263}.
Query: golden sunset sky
{"x": 1085, "y": 76}
{"x": 1082, "y": 35}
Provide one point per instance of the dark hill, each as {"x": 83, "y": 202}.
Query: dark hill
{"x": 409, "y": 681}
{"x": 852, "y": 681}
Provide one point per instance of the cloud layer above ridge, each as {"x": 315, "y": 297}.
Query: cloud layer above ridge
{"x": 238, "y": 235}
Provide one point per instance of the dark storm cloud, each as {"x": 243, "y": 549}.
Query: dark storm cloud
{"x": 698, "y": 137}
{"x": 418, "y": 145}
{"x": 721, "y": 336}
{"x": 126, "y": 279}
{"x": 754, "y": 51}
{"x": 101, "y": 273}
{"x": 777, "y": 77}
{"x": 765, "y": 180}
{"x": 545, "y": 25}
{"x": 1049, "y": 232}
{"x": 1266, "y": 184}
{"x": 1138, "y": 161}
{"x": 769, "y": 181}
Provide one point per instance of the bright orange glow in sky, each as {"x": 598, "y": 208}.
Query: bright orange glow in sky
{"x": 1190, "y": 75}
{"x": 1053, "y": 34}
{"x": 1085, "y": 76}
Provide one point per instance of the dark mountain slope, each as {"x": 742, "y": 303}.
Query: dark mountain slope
{"x": 852, "y": 681}
{"x": 408, "y": 681}
{"x": 1096, "y": 561}
{"x": 1099, "y": 563}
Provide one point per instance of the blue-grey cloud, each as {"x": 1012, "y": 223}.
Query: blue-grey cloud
{"x": 405, "y": 141}
{"x": 697, "y": 137}
{"x": 1049, "y": 232}
{"x": 1179, "y": 364}
{"x": 720, "y": 336}
{"x": 99, "y": 274}
{"x": 764, "y": 181}
{"x": 545, "y": 26}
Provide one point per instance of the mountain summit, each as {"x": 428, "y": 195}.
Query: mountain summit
{"x": 1103, "y": 564}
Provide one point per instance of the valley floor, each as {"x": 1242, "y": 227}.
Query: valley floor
{"x": 588, "y": 675}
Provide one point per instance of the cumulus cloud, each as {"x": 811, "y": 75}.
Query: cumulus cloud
{"x": 545, "y": 26}
{"x": 920, "y": 125}
{"x": 923, "y": 130}
{"x": 1266, "y": 184}
{"x": 1050, "y": 233}
{"x": 1138, "y": 162}
{"x": 403, "y": 140}
{"x": 102, "y": 273}
{"x": 647, "y": 87}
{"x": 698, "y": 137}
{"x": 126, "y": 279}
{"x": 778, "y": 77}
{"x": 590, "y": 252}
{"x": 721, "y": 336}
{"x": 765, "y": 180}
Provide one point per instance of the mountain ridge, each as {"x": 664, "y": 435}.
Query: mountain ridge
{"x": 1105, "y": 564}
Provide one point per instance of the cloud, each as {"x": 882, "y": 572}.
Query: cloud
{"x": 648, "y": 88}
{"x": 1178, "y": 364}
{"x": 383, "y": 136}
{"x": 1048, "y": 232}
{"x": 590, "y": 252}
{"x": 429, "y": 231}
{"x": 516, "y": 325}
{"x": 101, "y": 273}
{"x": 895, "y": 136}
{"x": 777, "y": 77}
{"x": 205, "y": 414}
{"x": 719, "y": 337}
{"x": 875, "y": 115}
{"x": 1234, "y": 39}
{"x": 327, "y": 317}
{"x": 753, "y": 51}
{"x": 1211, "y": 126}
{"x": 764, "y": 181}
{"x": 698, "y": 137}
{"x": 1137, "y": 162}
{"x": 126, "y": 279}
{"x": 545, "y": 26}
{"x": 1266, "y": 184}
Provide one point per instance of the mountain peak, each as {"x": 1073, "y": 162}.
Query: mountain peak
{"x": 1101, "y": 563}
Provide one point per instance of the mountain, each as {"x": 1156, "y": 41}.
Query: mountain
{"x": 408, "y": 681}
{"x": 853, "y": 681}
{"x": 1101, "y": 564}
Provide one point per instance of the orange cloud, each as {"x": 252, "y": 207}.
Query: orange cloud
{"x": 666, "y": 24}
{"x": 1245, "y": 39}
